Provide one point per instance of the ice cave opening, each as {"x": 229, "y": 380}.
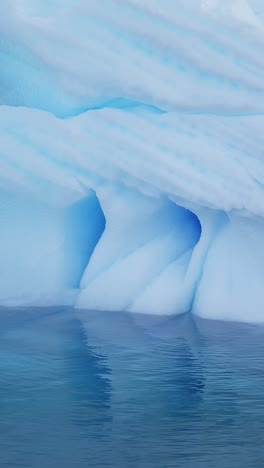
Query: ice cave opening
{"x": 141, "y": 263}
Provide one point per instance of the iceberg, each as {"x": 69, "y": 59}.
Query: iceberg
{"x": 131, "y": 163}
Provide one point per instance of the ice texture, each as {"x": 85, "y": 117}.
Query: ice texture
{"x": 131, "y": 162}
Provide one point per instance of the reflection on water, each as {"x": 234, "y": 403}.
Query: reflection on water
{"x": 90, "y": 389}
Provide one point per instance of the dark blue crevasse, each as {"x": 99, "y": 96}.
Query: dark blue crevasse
{"x": 85, "y": 223}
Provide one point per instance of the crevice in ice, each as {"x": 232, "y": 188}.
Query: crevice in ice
{"x": 141, "y": 106}
{"x": 88, "y": 218}
{"x": 124, "y": 104}
{"x": 118, "y": 103}
{"x": 211, "y": 221}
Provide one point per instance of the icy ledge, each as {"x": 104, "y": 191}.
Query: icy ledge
{"x": 139, "y": 221}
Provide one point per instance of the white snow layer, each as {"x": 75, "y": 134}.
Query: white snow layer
{"x": 131, "y": 162}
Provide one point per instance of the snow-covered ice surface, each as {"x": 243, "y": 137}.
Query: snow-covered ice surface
{"x": 131, "y": 162}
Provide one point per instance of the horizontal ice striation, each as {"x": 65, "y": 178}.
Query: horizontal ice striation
{"x": 197, "y": 161}
{"x": 131, "y": 162}
{"x": 193, "y": 56}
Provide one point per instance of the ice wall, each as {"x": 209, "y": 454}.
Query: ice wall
{"x": 131, "y": 162}
{"x": 44, "y": 248}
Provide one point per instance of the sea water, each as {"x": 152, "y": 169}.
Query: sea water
{"x": 93, "y": 389}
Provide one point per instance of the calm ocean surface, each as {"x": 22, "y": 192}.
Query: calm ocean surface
{"x": 86, "y": 389}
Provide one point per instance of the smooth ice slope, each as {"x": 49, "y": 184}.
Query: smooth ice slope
{"x": 131, "y": 163}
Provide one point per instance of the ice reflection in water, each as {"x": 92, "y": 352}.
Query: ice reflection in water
{"x": 81, "y": 389}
